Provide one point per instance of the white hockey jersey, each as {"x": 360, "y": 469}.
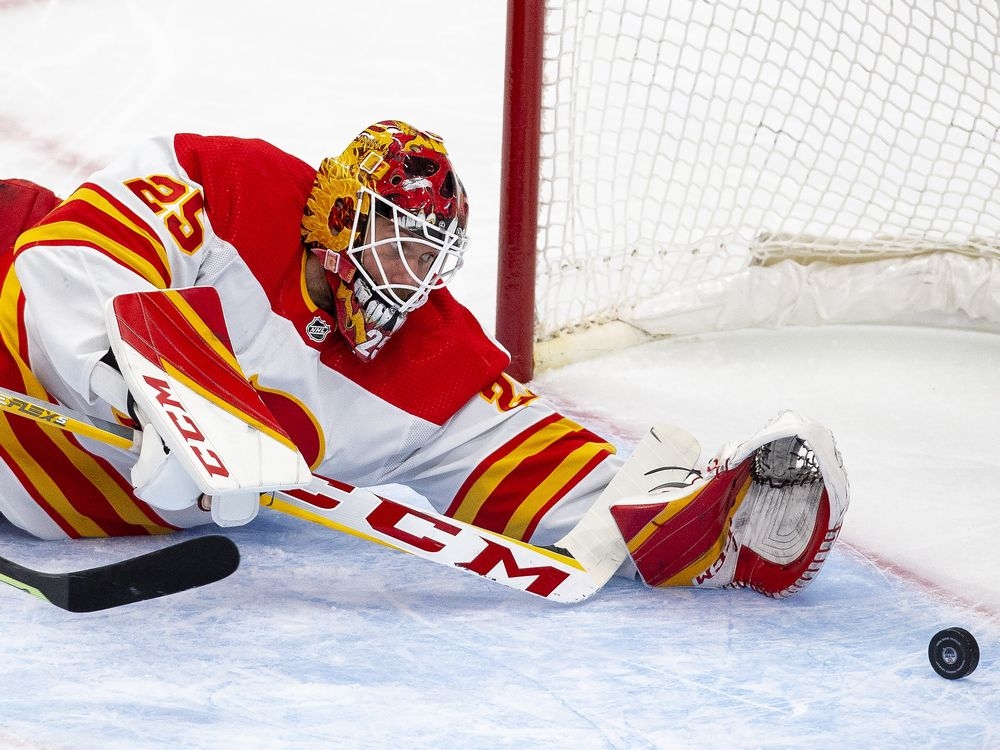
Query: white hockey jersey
{"x": 434, "y": 411}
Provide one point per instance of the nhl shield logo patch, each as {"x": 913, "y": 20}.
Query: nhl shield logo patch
{"x": 318, "y": 329}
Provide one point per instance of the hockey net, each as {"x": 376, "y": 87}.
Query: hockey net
{"x": 711, "y": 165}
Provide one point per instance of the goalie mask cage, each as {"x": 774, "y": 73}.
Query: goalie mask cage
{"x": 690, "y": 166}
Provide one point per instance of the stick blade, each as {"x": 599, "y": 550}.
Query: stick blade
{"x": 189, "y": 564}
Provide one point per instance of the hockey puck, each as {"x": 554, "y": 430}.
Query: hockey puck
{"x": 953, "y": 653}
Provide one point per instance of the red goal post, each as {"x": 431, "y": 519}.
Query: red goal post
{"x": 519, "y": 184}
{"x": 681, "y": 167}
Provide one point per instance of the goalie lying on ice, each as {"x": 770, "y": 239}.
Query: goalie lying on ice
{"x": 311, "y": 305}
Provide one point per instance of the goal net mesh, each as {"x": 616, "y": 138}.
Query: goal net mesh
{"x": 684, "y": 141}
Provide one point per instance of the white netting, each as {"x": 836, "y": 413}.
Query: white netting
{"x": 682, "y": 138}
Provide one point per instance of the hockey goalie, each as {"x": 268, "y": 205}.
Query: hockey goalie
{"x": 261, "y": 323}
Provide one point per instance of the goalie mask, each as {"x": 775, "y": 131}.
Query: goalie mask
{"x": 387, "y": 218}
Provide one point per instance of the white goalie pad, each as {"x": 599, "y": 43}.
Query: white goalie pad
{"x": 173, "y": 350}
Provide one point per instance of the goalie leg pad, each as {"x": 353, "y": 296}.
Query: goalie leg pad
{"x": 765, "y": 519}
{"x": 660, "y": 461}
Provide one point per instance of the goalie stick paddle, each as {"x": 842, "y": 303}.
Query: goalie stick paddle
{"x": 179, "y": 567}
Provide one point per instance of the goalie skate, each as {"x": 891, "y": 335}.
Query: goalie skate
{"x": 765, "y": 518}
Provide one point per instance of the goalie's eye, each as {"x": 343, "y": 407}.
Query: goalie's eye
{"x": 426, "y": 260}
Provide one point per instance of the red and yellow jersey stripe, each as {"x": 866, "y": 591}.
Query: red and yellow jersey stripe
{"x": 81, "y": 492}
{"x": 91, "y": 217}
{"x": 512, "y": 489}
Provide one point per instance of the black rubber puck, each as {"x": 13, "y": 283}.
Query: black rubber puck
{"x": 953, "y": 653}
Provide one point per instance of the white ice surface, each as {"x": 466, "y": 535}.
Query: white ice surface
{"x": 324, "y": 641}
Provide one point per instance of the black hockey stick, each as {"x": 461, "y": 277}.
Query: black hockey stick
{"x": 176, "y": 568}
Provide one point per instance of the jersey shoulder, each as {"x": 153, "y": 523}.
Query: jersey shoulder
{"x": 255, "y": 195}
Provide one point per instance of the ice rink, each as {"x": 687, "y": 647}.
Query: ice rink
{"x": 323, "y": 641}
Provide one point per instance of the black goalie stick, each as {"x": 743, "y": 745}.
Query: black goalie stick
{"x": 189, "y": 564}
